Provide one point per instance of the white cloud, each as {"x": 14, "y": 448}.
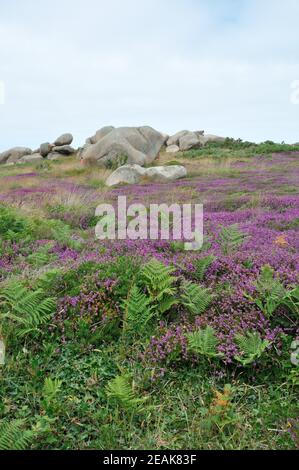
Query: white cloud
{"x": 74, "y": 66}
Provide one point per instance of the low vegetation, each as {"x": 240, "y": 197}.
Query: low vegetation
{"x": 139, "y": 344}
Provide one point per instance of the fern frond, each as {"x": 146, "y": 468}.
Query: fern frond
{"x": 231, "y": 238}
{"x": 270, "y": 292}
{"x": 202, "y": 265}
{"x": 267, "y": 285}
{"x": 42, "y": 256}
{"x": 203, "y": 342}
{"x": 251, "y": 346}
{"x": 122, "y": 391}
{"x": 28, "y": 309}
{"x": 196, "y": 298}
{"x": 51, "y": 388}
{"x": 13, "y": 436}
{"x": 291, "y": 300}
{"x": 138, "y": 311}
{"x": 158, "y": 280}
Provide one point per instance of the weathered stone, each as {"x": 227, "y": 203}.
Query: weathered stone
{"x": 172, "y": 149}
{"x": 189, "y": 141}
{"x": 129, "y": 174}
{"x": 209, "y": 138}
{"x": 166, "y": 173}
{"x": 133, "y": 174}
{"x": 34, "y": 157}
{"x": 199, "y": 133}
{"x": 133, "y": 145}
{"x": 165, "y": 137}
{"x": 45, "y": 149}
{"x": 100, "y": 134}
{"x": 64, "y": 150}
{"x": 174, "y": 139}
{"x": 14, "y": 154}
{"x": 64, "y": 139}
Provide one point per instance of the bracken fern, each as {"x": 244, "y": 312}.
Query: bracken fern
{"x": 158, "y": 280}
{"x": 196, "y": 298}
{"x": 27, "y": 309}
{"x": 138, "y": 311}
{"x": 13, "y": 436}
{"x": 121, "y": 390}
{"x": 251, "y": 346}
{"x": 231, "y": 238}
{"x": 203, "y": 342}
{"x": 202, "y": 265}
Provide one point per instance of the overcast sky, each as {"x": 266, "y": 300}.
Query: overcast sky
{"x": 225, "y": 66}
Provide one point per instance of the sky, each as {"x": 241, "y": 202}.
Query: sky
{"x": 229, "y": 67}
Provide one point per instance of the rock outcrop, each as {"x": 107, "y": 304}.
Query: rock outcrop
{"x": 114, "y": 147}
{"x": 14, "y": 154}
{"x": 133, "y": 174}
{"x": 33, "y": 158}
{"x": 133, "y": 145}
{"x": 187, "y": 140}
{"x": 209, "y": 138}
{"x": 100, "y": 134}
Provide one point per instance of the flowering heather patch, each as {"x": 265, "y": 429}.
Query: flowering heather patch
{"x": 86, "y": 313}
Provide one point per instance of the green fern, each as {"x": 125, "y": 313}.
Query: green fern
{"x": 231, "y": 238}
{"x": 42, "y": 256}
{"x": 13, "y": 436}
{"x": 203, "y": 342}
{"x": 121, "y": 390}
{"x": 291, "y": 300}
{"x": 196, "y": 298}
{"x": 270, "y": 292}
{"x": 202, "y": 265}
{"x": 158, "y": 280}
{"x": 28, "y": 310}
{"x": 50, "y": 391}
{"x": 51, "y": 388}
{"x": 251, "y": 346}
{"x": 138, "y": 311}
{"x": 266, "y": 284}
